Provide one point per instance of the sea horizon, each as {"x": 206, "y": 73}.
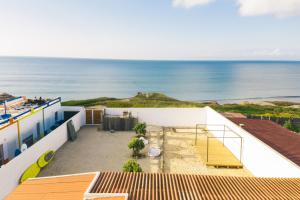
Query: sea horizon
{"x": 153, "y": 60}
{"x": 195, "y": 80}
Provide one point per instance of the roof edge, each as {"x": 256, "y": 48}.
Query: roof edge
{"x": 91, "y": 196}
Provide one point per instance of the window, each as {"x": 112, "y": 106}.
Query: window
{"x": 38, "y": 130}
{"x": 56, "y": 116}
{"x": 28, "y": 141}
{"x": 1, "y": 155}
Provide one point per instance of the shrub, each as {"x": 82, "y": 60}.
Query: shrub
{"x": 289, "y": 125}
{"x": 140, "y": 128}
{"x": 136, "y": 145}
{"x": 132, "y": 166}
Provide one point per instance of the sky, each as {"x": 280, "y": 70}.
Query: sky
{"x": 152, "y": 29}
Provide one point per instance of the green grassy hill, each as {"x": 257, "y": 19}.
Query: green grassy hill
{"x": 158, "y": 100}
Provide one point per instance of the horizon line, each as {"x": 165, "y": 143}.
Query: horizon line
{"x": 166, "y": 60}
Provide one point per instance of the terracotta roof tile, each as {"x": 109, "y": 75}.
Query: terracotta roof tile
{"x": 279, "y": 138}
{"x": 63, "y": 188}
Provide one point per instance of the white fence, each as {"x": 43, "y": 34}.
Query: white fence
{"x": 258, "y": 157}
{"x": 11, "y": 172}
{"x": 177, "y": 117}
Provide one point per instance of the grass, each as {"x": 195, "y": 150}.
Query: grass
{"x": 141, "y": 100}
{"x": 158, "y": 100}
{"x": 260, "y": 110}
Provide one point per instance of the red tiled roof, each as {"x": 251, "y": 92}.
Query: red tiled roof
{"x": 233, "y": 115}
{"x": 279, "y": 138}
{"x": 158, "y": 186}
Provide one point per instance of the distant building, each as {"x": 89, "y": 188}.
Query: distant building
{"x": 233, "y": 115}
{"x": 26, "y": 123}
{"x": 5, "y": 96}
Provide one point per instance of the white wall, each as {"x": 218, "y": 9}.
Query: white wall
{"x": 9, "y": 139}
{"x": 11, "y": 172}
{"x": 257, "y": 156}
{"x": 79, "y": 121}
{"x": 28, "y": 125}
{"x": 49, "y": 114}
{"x": 187, "y": 117}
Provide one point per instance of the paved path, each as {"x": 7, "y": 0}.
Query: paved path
{"x": 96, "y": 151}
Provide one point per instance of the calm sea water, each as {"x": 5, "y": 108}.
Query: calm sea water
{"x": 189, "y": 80}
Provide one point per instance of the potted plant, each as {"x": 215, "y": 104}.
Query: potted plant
{"x": 136, "y": 145}
{"x": 140, "y": 129}
{"x": 132, "y": 166}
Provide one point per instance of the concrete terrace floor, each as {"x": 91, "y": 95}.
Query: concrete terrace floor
{"x": 104, "y": 151}
{"x": 98, "y": 151}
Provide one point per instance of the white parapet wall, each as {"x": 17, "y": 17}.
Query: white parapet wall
{"x": 259, "y": 158}
{"x": 11, "y": 172}
{"x": 80, "y": 120}
{"x": 175, "y": 117}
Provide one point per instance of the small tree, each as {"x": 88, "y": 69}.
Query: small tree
{"x": 132, "y": 166}
{"x": 140, "y": 128}
{"x": 289, "y": 125}
{"x": 136, "y": 145}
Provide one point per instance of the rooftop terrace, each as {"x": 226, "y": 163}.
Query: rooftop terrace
{"x": 101, "y": 150}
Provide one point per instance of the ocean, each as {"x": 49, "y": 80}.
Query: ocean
{"x": 224, "y": 81}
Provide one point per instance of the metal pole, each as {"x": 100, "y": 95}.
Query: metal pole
{"x": 224, "y": 135}
{"x": 44, "y": 122}
{"x": 19, "y": 133}
{"x": 241, "y": 149}
{"x": 207, "y": 149}
{"x": 196, "y": 135}
{"x": 5, "y": 107}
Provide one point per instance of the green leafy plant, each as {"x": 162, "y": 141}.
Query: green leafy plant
{"x": 132, "y": 166}
{"x": 136, "y": 145}
{"x": 289, "y": 125}
{"x": 140, "y": 128}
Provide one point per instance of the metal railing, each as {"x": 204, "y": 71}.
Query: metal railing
{"x": 43, "y": 106}
{"x": 224, "y": 129}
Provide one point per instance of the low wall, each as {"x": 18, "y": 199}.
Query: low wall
{"x": 11, "y": 172}
{"x": 187, "y": 117}
{"x": 78, "y": 121}
{"x": 258, "y": 157}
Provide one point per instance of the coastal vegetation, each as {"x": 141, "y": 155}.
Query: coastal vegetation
{"x": 252, "y": 109}
{"x": 289, "y": 125}
{"x": 279, "y": 109}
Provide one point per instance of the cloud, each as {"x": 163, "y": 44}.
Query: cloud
{"x": 278, "y": 8}
{"x": 268, "y": 52}
{"x": 190, "y": 3}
